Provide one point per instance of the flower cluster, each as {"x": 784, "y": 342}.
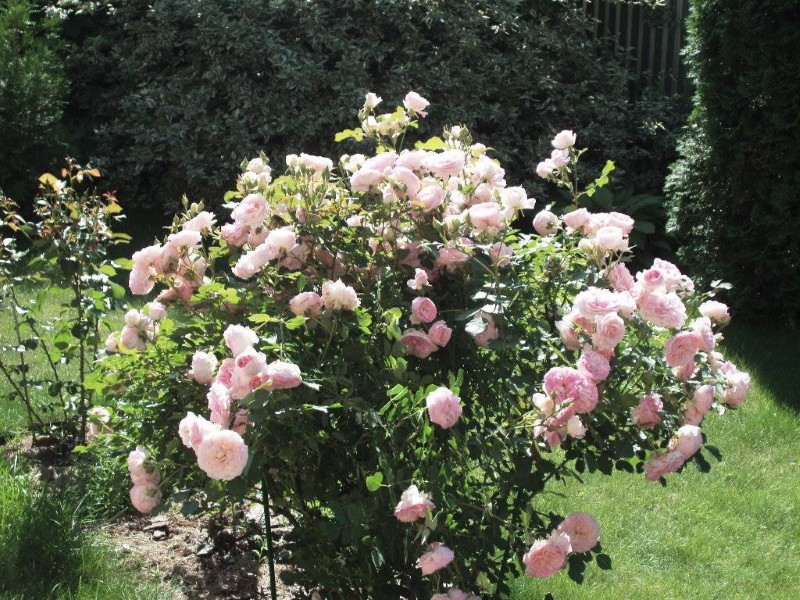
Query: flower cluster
{"x": 579, "y": 532}
{"x": 145, "y": 493}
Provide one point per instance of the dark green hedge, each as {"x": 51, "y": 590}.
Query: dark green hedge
{"x": 735, "y": 192}
{"x": 181, "y": 91}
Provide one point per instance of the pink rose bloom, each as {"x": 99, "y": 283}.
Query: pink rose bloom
{"x": 419, "y": 281}
{"x": 596, "y": 302}
{"x": 204, "y": 364}
{"x": 219, "y": 403}
{"x": 451, "y": 258}
{"x": 568, "y": 333}
{"x": 620, "y": 278}
{"x": 582, "y": 529}
{"x": 576, "y": 219}
{"x": 423, "y": 310}
{"x": 414, "y": 102}
{"x": 381, "y": 162}
{"x": 417, "y": 343}
{"x": 183, "y": 239}
{"x": 559, "y": 158}
{"x": 485, "y": 337}
{"x": 594, "y": 365}
{"x": 141, "y": 468}
{"x": 222, "y": 455}
{"x": 132, "y": 318}
{"x": 145, "y": 497}
{"x": 702, "y": 328}
{"x": 437, "y": 557}
{"x": 239, "y": 338}
{"x": 446, "y": 164}
{"x": 202, "y": 222}
{"x": 130, "y": 338}
{"x": 737, "y": 386}
{"x": 412, "y": 159}
{"x": 609, "y": 331}
{"x": 486, "y": 217}
{"x": 336, "y": 295}
{"x": 646, "y": 415}
{"x": 252, "y": 210}
{"x": 688, "y": 440}
{"x": 570, "y": 385}
{"x": 155, "y": 310}
{"x": 545, "y": 168}
{"x": 681, "y": 348}
{"x": 316, "y": 164}
{"x": 500, "y": 254}
{"x": 430, "y": 197}
{"x": 663, "y": 310}
{"x": 662, "y": 463}
{"x": 440, "y": 333}
{"x": 371, "y": 100}
{"x": 240, "y": 421}
{"x": 575, "y": 427}
{"x": 611, "y": 239}
{"x": 546, "y": 223}
{"x": 193, "y": 429}
{"x": 366, "y": 180}
{"x": 306, "y": 303}
{"x": 547, "y": 557}
{"x": 597, "y": 221}
{"x": 685, "y": 371}
{"x": 444, "y": 407}
{"x": 225, "y": 372}
{"x": 235, "y": 234}
{"x": 564, "y": 139}
{"x": 247, "y": 373}
{"x": 144, "y": 271}
{"x": 413, "y": 505}
{"x": 716, "y": 311}
{"x": 282, "y": 375}
{"x": 704, "y": 397}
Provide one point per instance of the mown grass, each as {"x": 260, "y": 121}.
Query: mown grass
{"x": 46, "y": 552}
{"x": 732, "y": 533}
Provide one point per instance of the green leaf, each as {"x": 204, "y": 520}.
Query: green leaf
{"x": 295, "y": 322}
{"x": 374, "y": 482}
{"x": 107, "y": 269}
{"x": 434, "y": 143}
{"x": 261, "y": 318}
{"x": 357, "y": 134}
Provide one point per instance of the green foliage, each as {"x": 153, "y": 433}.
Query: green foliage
{"x": 33, "y": 90}
{"x": 733, "y": 193}
{"x": 178, "y": 92}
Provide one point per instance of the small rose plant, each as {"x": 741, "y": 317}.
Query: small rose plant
{"x": 372, "y": 344}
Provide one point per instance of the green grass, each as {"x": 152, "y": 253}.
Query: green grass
{"x": 728, "y": 534}
{"x": 46, "y": 552}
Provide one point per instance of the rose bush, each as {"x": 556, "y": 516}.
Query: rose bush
{"x": 371, "y": 335}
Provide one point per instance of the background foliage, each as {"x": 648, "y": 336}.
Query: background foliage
{"x": 733, "y": 192}
{"x": 181, "y": 90}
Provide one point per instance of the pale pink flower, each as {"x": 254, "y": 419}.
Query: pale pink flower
{"x": 576, "y": 219}
{"x": 611, "y": 239}
{"x": 131, "y": 338}
{"x": 239, "y": 338}
{"x": 252, "y": 210}
{"x": 417, "y": 343}
{"x": 489, "y": 334}
{"x": 112, "y": 342}
{"x": 570, "y": 385}
{"x": 440, "y": 333}
{"x": 705, "y": 334}
{"x": 446, "y": 164}
{"x": 306, "y": 303}
{"x": 647, "y": 413}
{"x": 430, "y": 197}
{"x": 451, "y": 258}
{"x": 568, "y": 333}
{"x": 419, "y": 281}
{"x": 663, "y": 310}
{"x": 204, "y": 364}
{"x": 596, "y": 302}
{"x": 444, "y": 407}
{"x": 281, "y": 375}
{"x": 155, "y": 311}
{"x": 737, "y": 385}
{"x": 575, "y": 427}
{"x": 704, "y": 397}
{"x": 414, "y": 102}
{"x": 500, "y": 254}
{"x": 336, "y": 295}
{"x": 564, "y": 139}
{"x": 582, "y": 529}
{"x": 145, "y": 497}
{"x": 141, "y": 468}
{"x": 132, "y": 318}
{"x": 662, "y": 463}
{"x": 594, "y": 364}
{"x": 681, "y": 348}
{"x": 222, "y": 455}
{"x": 412, "y": 159}
{"x": 413, "y": 505}
{"x": 455, "y": 594}
{"x": 144, "y": 271}
{"x": 371, "y": 100}
{"x": 423, "y": 310}
{"x": 437, "y": 557}
{"x": 545, "y": 168}
{"x": 597, "y": 221}
{"x": 310, "y": 162}
{"x": 609, "y": 331}
{"x": 240, "y": 421}
{"x": 559, "y": 158}
{"x": 547, "y": 557}
{"x": 716, "y": 311}
{"x": 486, "y": 217}
{"x": 219, "y": 403}
{"x": 687, "y": 441}
{"x": 685, "y": 371}
{"x": 546, "y": 223}
{"x": 620, "y": 278}
{"x": 235, "y": 234}
{"x": 193, "y": 428}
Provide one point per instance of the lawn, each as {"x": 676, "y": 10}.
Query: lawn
{"x": 731, "y": 533}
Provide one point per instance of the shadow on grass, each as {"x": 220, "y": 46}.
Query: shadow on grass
{"x": 770, "y": 353}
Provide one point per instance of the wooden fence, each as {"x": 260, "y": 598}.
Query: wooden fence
{"x": 653, "y": 37}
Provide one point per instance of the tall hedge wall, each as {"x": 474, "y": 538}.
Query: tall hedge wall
{"x": 735, "y": 191}
{"x": 180, "y": 91}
